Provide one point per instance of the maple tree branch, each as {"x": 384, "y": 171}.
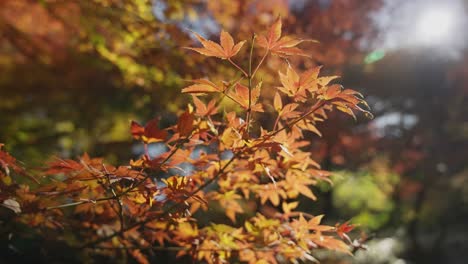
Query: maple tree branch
{"x": 83, "y": 201}
{"x": 118, "y": 195}
{"x": 165, "y": 212}
{"x": 72, "y": 204}
{"x": 119, "y": 212}
{"x": 203, "y": 186}
{"x": 177, "y": 147}
{"x": 249, "y": 110}
{"x": 175, "y": 248}
{"x": 314, "y": 108}
{"x": 238, "y": 67}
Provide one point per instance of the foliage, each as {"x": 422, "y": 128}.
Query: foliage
{"x": 228, "y": 159}
{"x": 121, "y": 60}
{"x": 352, "y": 190}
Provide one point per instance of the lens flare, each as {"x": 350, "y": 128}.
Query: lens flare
{"x": 435, "y": 26}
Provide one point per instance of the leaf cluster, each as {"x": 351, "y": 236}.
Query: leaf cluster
{"x": 212, "y": 158}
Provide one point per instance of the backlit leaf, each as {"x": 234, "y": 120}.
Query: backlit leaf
{"x": 226, "y": 50}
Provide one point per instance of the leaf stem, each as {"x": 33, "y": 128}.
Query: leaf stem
{"x": 250, "y": 76}
{"x": 120, "y": 211}
{"x": 238, "y": 67}
{"x": 260, "y": 63}
{"x": 276, "y": 122}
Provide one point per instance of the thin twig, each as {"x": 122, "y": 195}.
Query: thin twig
{"x": 117, "y": 198}
{"x": 130, "y": 189}
{"x": 276, "y": 122}
{"x": 166, "y": 212}
{"x": 69, "y": 204}
{"x": 177, "y": 147}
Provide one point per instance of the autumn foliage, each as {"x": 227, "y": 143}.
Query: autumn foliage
{"x": 215, "y": 156}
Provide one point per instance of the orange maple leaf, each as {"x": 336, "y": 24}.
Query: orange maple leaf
{"x": 241, "y": 96}
{"x": 226, "y": 50}
{"x": 203, "y": 109}
{"x": 295, "y": 84}
{"x": 282, "y": 46}
{"x": 202, "y": 86}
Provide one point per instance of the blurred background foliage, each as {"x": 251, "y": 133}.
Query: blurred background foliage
{"x": 74, "y": 73}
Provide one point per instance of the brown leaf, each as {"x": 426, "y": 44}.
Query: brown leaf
{"x": 137, "y": 130}
{"x": 150, "y": 133}
{"x": 185, "y": 124}
{"x": 153, "y": 133}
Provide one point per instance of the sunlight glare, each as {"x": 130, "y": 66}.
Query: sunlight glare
{"x": 435, "y": 27}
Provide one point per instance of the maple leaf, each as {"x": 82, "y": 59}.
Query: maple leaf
{"x": 231, "y": 138}
{"x": 176, "y": 183}
{"x": 204, "y": 110}
{"x": 8, "y": 162}
{"x": 228, "y": 201}
{"x": 288, "y": 111}
{"x": 330, "y": 242}
{"x": 299, "y": 185}
{"x": 226, "y": 50}
{"x": 185, "y": 124}
{"x": 332, "y": 91}
{"x": 344, "y": 228}
{"x": 63, "y": 166}
{"x": 149, "y": 133}
{"x": 295, "y": 85}
{"x": 272, "y": 193}
{"x": 325, "y": 80}
{"x": 202, "y": 86}
{"x": 282, "y": 46}
{"x": 288, "y": 207}
{"x": 344, "y": 99}
{"x": 240, "y": 95}
{"x": 139, "y": 257}
{"x": 314, "y": 224}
